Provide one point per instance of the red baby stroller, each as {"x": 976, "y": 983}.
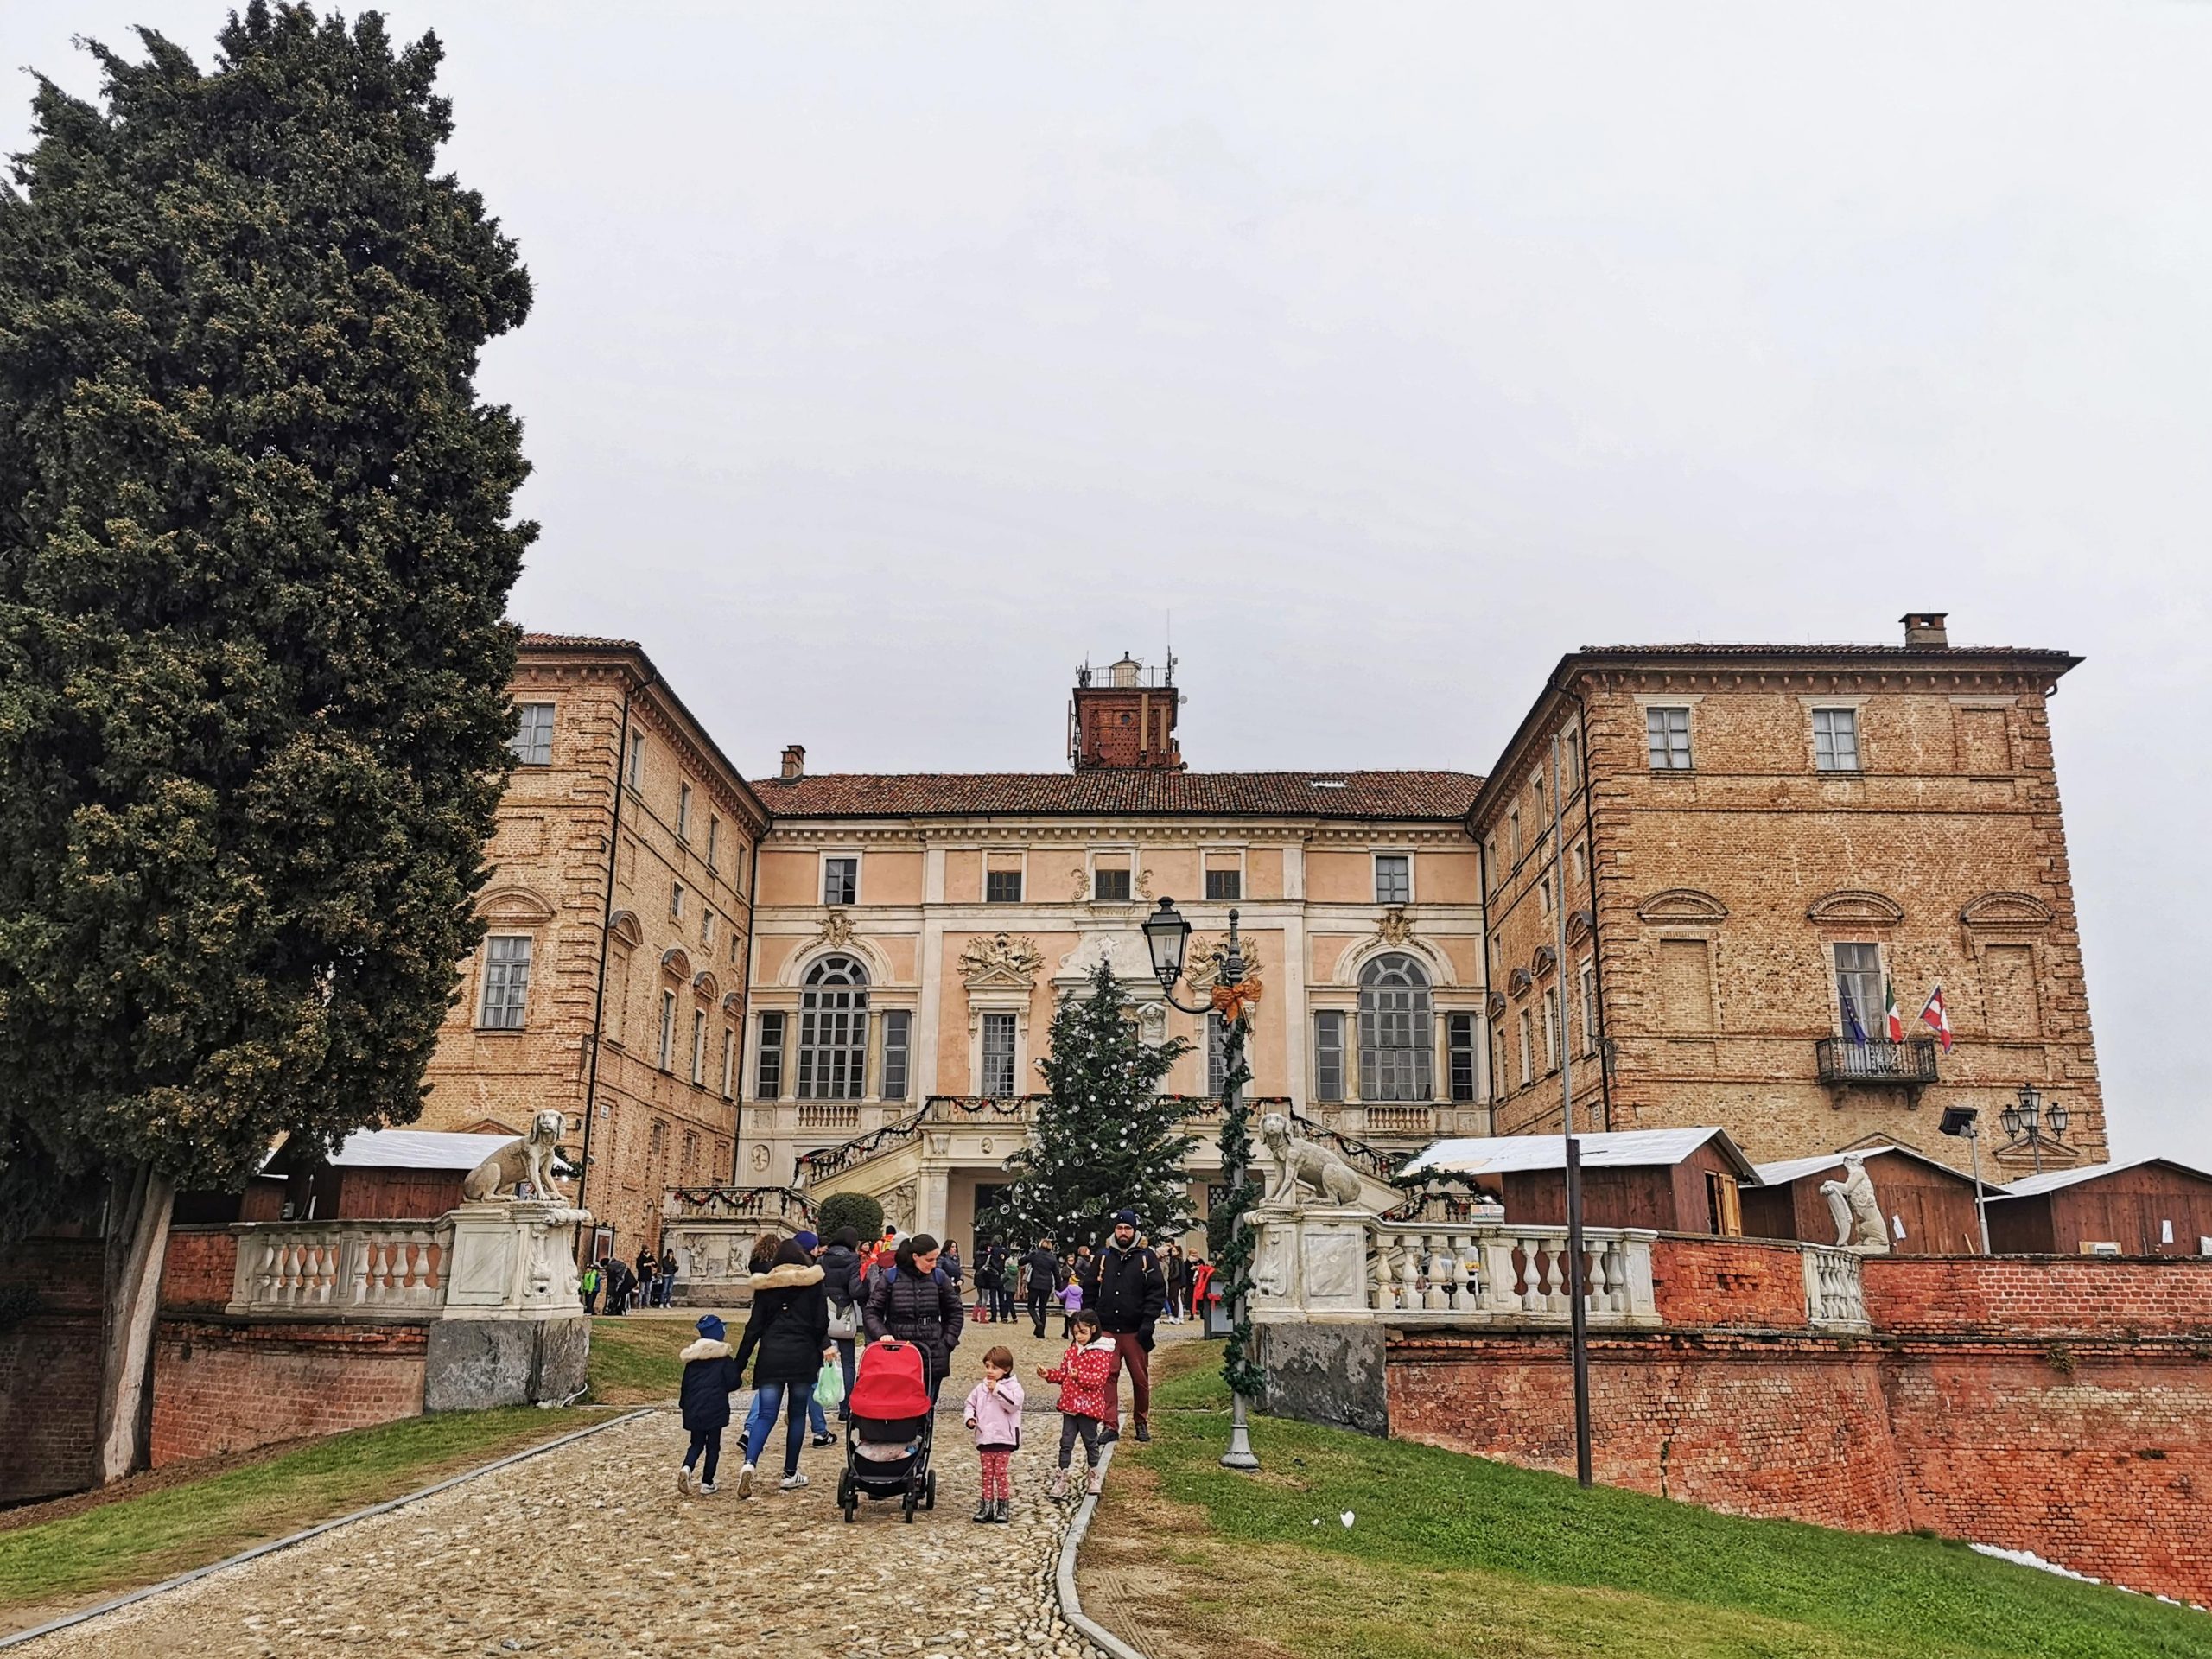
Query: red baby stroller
{"x": 889, "y": 1434}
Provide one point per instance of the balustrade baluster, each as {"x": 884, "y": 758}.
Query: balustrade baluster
{"x": 1409, "y": 1278}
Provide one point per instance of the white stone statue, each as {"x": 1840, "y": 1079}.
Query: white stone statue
{"x": 1858, "y": 1212}
{"x": 528, "y": 1158}
{"x": 1300, "y": 1163}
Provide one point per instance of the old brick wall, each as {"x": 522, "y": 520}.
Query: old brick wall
{"x": 197, "y": 1273}
{"x": 2014, "y": 1297}
{"x": 50, "y": 1368}
{"x": 1728, "y": 1282}
{"x": 223, "y": 1387}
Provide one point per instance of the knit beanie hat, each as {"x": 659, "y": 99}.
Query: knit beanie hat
{"x": 711, "y": 1327}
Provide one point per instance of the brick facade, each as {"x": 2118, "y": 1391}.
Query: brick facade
{"x": 223, "y": 1386}
{"x": 50, "y": 1368}
{"x": 1705, "y": 900}
{"x": 687, "y": 822}
{"x": 2060, "y": 1405}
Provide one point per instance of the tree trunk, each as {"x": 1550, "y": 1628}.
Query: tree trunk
{"x": 137, "y": 1244}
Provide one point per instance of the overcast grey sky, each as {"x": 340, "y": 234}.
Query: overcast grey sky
{"x": 887, "y": 360}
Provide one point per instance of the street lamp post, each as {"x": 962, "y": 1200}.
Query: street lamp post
{"x": 1962, "y": 1120}
{"x": 1168, "y": 934}
{"x": 2024, "y": 1118}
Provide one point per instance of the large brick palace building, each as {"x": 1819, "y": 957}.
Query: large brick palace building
{"x": 843, "y": 978}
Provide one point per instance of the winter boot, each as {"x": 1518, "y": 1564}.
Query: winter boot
{"x": 983, "y": 1507}
{"x": 1060, "y": 1486}
{"x": 999, "y": 1510}
{"x": 1097, "y": 1481}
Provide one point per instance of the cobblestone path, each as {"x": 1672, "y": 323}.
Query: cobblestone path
{"x": 590, "y": 1551}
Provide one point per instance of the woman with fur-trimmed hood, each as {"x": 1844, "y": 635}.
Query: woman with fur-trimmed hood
{"x": 710, "y": 1377}
{"x": 790, "y": 1329}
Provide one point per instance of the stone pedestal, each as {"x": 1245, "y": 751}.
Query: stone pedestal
{"x": 513, "y": 1330}
{"x": 1311, "y": 1261}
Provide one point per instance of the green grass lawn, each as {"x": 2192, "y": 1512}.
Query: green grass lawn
{"x": 634, "y": 1360}
{"x": 144, "y": 1539}
{"x": 1448, "y": 1555}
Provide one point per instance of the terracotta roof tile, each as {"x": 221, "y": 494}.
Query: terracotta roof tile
{"x": 1377, "y": 795}
{"x": 566, "y": 641}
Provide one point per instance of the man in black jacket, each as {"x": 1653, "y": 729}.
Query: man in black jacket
{"x": 1127, "y": 1291}
{"x": 1042, "y": 1271}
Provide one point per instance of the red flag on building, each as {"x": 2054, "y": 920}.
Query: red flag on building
{"x": 1932, "y": 1015}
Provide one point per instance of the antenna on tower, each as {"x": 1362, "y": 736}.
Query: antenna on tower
{"x": 1171, "y": 648}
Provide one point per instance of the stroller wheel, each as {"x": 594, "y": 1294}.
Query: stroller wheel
{"x": 929, "y": 1491}
{"x": 851, "y": 1509}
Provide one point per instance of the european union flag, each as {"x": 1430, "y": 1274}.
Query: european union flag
{"x": 1852, "y": 1029}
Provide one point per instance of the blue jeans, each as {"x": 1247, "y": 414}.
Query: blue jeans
{"x": 845, "y": 1364}
{"x": 767, "y": 1400}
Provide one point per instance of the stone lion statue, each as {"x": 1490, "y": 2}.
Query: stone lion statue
{"x": 1857, "y": 1211}
{"x": 1303, "y": 1163}
{"x": 528, "y": 1158}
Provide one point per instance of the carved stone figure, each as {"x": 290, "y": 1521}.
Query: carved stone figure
{"x": 1300, "y": 1163}
{"x": 836, "y": 929}
{"x": 1002, "y": 957}
{"x": 528, "y": 1158}
{"x": 1206, "y": 956}
{"x": 1857, "y": 1211}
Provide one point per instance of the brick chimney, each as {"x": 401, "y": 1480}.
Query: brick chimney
{"x": 1925, "y": 628}
{"x": 794, "y": 762}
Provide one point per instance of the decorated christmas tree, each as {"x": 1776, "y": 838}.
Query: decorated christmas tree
{"x": 1104, "y": 1138}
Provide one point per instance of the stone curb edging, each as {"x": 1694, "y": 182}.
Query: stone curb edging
{"x": 1071, "y": 1608}
{"x": 129, "y": 1598}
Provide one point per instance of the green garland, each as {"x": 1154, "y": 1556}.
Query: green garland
{"x": 1233, "y": 1251}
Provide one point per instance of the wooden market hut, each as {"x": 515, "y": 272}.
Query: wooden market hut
{"x": 2152, "y": 1207}
{"x": 1929, "y": 1205}
{"x": 1676, "y": 1180}
{"x": 411, "y": 1174}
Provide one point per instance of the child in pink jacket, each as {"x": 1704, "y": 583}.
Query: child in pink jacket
{"x": 993, "y": 1415}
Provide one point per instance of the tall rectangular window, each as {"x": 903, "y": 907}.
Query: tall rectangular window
{"x": 1685, "y": 984}
{"x": 1216, "y": 1052}
{"x": 1589, "y": 1008}
{"x": 1573, "y": 778}
{"x": 998, "y": 1055}
{"x": 1835, "y": 739}
{"x": 1551, "y": 1030}
{"x": 1394, "y": 878}
{"x": 1225, "y": 886}
{"x": 1110, "y": 885}
{"x": 1329, "y": 1055}
{"x": 1002, "y": 886}
{"x": 729, "y": 1060}
{"x": 506, "y": 982}
{"x": 707, "y": 929}
{"x": 636, "y": 760}
{"x": 841, "y": 880}
{"x": 683, "y": 812}
{"x": 1860, "y": 1002}
{"x": 699, "y": 1048}
{"x": 1667, "y": 733}
{"x": 714, "y": 837}
{"x": 1527, "y": 1049}
{"x": 1513, "y": 833}
{"x": 532, "y": 743}
{"x": 675, "y": 901}
{"x": 768, "y": 1066}
{"x": 1459, "y": 1042}
{"x": 898, "y": 1024}
{"x": 667, "y": 1030}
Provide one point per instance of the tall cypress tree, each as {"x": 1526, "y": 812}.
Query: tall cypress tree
{"x": 1104, "y": 1137}
{"x": 256, "y": 545}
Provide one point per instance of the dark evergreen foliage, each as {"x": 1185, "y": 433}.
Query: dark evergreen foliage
{"x": 256, "y": 545}
{"x": 857, "y": 1211}
{"x": 1104, "y": 1137}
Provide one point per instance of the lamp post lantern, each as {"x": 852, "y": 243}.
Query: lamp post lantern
{"x": 1167, "y": 936}
{"x": 2024, "y": 1118}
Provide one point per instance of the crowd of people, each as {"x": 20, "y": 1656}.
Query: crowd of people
{"x": 817, "y": 1304}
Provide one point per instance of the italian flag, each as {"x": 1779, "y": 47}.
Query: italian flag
{"x": 1890, "y": 1017}
{"x": 1934, "y": 1016}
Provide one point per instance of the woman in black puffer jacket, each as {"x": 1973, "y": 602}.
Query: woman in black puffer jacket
{"x": 790, "y": 1327}
{"x": 913, "y": 1300}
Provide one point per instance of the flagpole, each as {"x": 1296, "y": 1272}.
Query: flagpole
{"x": 1578, "y": 1327}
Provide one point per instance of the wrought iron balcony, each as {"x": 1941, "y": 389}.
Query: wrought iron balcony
{"x": 1839, "y": 1060}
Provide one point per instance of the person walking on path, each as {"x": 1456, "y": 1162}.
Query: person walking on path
{"x": 1126, "y": 1292}
{"x": 1070, "y": 1305}
{"x": 644, "y": 1267}
{"x": 1085, "y": 1373}
{"x": 841, "y": 1275}
{"x": 789, "y": 1327}
{"x": 912, "y": 1300}
{"x": 667, "y": 1286}
{"x": 994, "y": 1416}
{"x": 1175, "y": 1266}
{"x": 711, "y": 1374}
{"x": 816, "y": 1415}
{"x": 990, "y": 1264}
{"x": 1041, "y": 1271}
{"x": 588, "y": 1288}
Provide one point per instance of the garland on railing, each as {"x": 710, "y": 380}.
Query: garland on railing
{"x": 828, "y": 1160}
{"x": 744, "y": 1200}
{"x": 1233, "y": 1249}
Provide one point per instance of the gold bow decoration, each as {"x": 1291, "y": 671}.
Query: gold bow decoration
{"x": 1234, "y": 1002}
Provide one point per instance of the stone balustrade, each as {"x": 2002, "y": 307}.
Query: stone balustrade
{"x": 1513, "y": 1273}
{"x": 396, "y": 1268}
{"x": 1835, "y": 1289}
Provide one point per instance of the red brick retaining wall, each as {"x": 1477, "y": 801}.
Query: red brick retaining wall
{"x": 2060, "y": 1405}
{"x": 197, "y": 1271}
{"x": 224, "y": 1386}
{"x": 50, "y": 1369}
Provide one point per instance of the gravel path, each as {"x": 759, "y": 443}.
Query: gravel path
{"x": 591, "y": 1551}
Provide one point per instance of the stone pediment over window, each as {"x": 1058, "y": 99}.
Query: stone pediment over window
{"x": 1854, "y": 904}
{"x": 622, "y": 927}
{"x": 702, "y": 984}
{"x": 2007, "y": 910}
{"x": 1681, "y": 904}
{"x": 1547, "y": 959}
{"x": 1493, "y": 1005}
{"x": 678, "y": 961}
{"x": 1518, "y": 982}
{"x": 1000, "y": 959}
{"x": 1580, "y": 923}
{"x": 734, "y": 1005}
{"x": 513, "y": 904}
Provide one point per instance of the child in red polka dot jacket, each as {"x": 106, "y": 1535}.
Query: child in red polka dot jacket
{"x": 1083, "y": 1374}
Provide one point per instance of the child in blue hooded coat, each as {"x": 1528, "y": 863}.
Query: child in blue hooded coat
{"x": 710, "y": 1375}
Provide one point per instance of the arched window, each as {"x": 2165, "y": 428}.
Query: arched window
{"x": 1396, "y": 1057}
{"x": 833, "y": 1031}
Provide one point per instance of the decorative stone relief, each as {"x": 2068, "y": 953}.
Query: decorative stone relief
{"x": 836, "y": 929}
{"x": 760, "y": 1157}
{"x": 898, "y": 1207}
{"x": 1395, "y": 927}
{"x": 1203, "y": 961}
{"x": 1000, "y": 958}
{"x": 1152, "y": 1024}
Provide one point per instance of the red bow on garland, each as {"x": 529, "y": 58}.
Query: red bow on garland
{"x": 1234, "y": 1002}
